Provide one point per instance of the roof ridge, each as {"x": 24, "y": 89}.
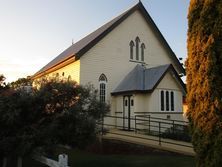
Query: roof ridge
{"x": 86, "y": 40}
{"x": 83, "y": 45}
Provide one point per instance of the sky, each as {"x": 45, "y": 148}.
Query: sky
{"x": 33, "y": 32}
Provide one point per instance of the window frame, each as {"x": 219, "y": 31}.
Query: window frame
{"x": 142, "y": 51}
{"x": 102, "y": 88}
{"x": 172, "y": 101}
{"x": 131, "y": 44}
{"x": 137, "y": 47}
{"x": 162, "y": 101}
{"x": 167, "y": 100}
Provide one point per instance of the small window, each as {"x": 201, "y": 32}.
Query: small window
{"x": 57, "y": 74}
{"x": 102, "y": 92}
{"x": 167, "y": 101}
{"x": 132, "y": 102}
{"x": 142, "y": 51}
{"x": 63, "y": 74}
{"x": 172, "y": 100}
{"x": 137, "y": 47}
{"x": 131, "y": 49}
{"x": 69, "y": 78}
{"x": 126, "y": 103}
{"x": 102, "y": 88}
{"x": 162, "y": 100}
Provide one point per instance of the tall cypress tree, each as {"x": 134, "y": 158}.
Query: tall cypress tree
{"x": 204, "y": 80}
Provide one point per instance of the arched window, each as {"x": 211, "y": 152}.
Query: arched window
{"x": 142, "y": 51}
{"x": 69, "y": 78}
{"x": 137, "y": 47}
{"x": 131, "y": 49}
{"x": 102, "y": 88}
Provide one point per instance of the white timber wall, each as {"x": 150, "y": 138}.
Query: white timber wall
{"x": 149, "y": 103}
{"x": 168, "y": 83}
{"x": 111, "y": 55}
{"x": 72, "y": 70}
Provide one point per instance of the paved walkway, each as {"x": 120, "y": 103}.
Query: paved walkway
{"x": 151, "y": 141}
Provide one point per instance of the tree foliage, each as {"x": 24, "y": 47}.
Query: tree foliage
{"x": 2, "y": 83}
{"x": 21, "y": 82}
{"x": 204, "y": 80}
{"x": 57, "y": 113}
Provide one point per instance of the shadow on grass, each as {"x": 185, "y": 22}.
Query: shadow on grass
{"x": 116, "y": 154}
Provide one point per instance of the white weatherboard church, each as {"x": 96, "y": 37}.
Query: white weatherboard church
{"x": 130, "y": 63}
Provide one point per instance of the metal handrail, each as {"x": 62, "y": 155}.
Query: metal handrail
{"x": 158, "y": 125}
{"x": 173, "y": 120}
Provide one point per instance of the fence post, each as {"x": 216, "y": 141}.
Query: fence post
{"x": 160, "y": 133}
{"x": 173, "y": 127}
{"x": 135, "y": 125}
{"x": 63, "y": 160}
{"x": 149, "y": 124}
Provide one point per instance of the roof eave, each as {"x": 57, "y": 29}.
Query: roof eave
{"x": 158, "y": 33}
{"x": 103, "y": 34}
{"x": 53, "y": 68}
{"x": 130, "y": 92}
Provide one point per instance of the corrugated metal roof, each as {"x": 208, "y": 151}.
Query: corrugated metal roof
{"x": 79, "y": 48}
{"x": 141, "y": 79}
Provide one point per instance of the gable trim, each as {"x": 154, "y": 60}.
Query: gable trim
{"x": 114, "y": 23}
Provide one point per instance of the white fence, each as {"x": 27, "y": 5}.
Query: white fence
{"x": 62, "y": 160}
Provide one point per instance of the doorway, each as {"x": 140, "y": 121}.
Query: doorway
{"x": 128, "y": 111}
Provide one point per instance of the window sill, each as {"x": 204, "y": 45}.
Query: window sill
{"x": 135, "y": 61}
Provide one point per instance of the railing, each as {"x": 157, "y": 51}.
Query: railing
{"x": 163, "y": 129}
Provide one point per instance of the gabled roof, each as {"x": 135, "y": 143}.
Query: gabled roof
{"x": 142, "y": 80}
{"x": 76, "y": 50}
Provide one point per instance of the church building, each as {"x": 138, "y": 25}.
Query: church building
{"x": 130, "y": 63}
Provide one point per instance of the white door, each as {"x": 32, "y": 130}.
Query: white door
{"x": 128, "y": 111}
{"x": 125, "y": 112}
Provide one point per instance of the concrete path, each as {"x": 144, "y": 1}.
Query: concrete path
{"x": 151, "y": 141}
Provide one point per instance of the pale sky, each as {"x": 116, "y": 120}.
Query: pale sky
{"x": 33, "y": 32}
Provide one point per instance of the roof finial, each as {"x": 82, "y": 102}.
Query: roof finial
{"x": 72, "y": 41}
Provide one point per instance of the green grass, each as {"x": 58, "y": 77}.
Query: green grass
{"x": 79, "y": 158}
{"x": 28, "y": 162}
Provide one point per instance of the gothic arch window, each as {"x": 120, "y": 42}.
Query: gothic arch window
{"x": 137, "y": 47}
{"x": 131, "y": 49}
{"x": 69, "y": 78}
{"x": 142, "y": 51}
{"x": 102, "y": 88}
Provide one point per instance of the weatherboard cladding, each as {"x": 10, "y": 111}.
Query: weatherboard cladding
{"x": 82, "y": 46}
{"x": 141, "y": 79}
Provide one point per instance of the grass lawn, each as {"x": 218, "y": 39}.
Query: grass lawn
{"x": 79, "y": 158}
{"x": 28, "y": 162}
{"x": 119, "y": 154}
